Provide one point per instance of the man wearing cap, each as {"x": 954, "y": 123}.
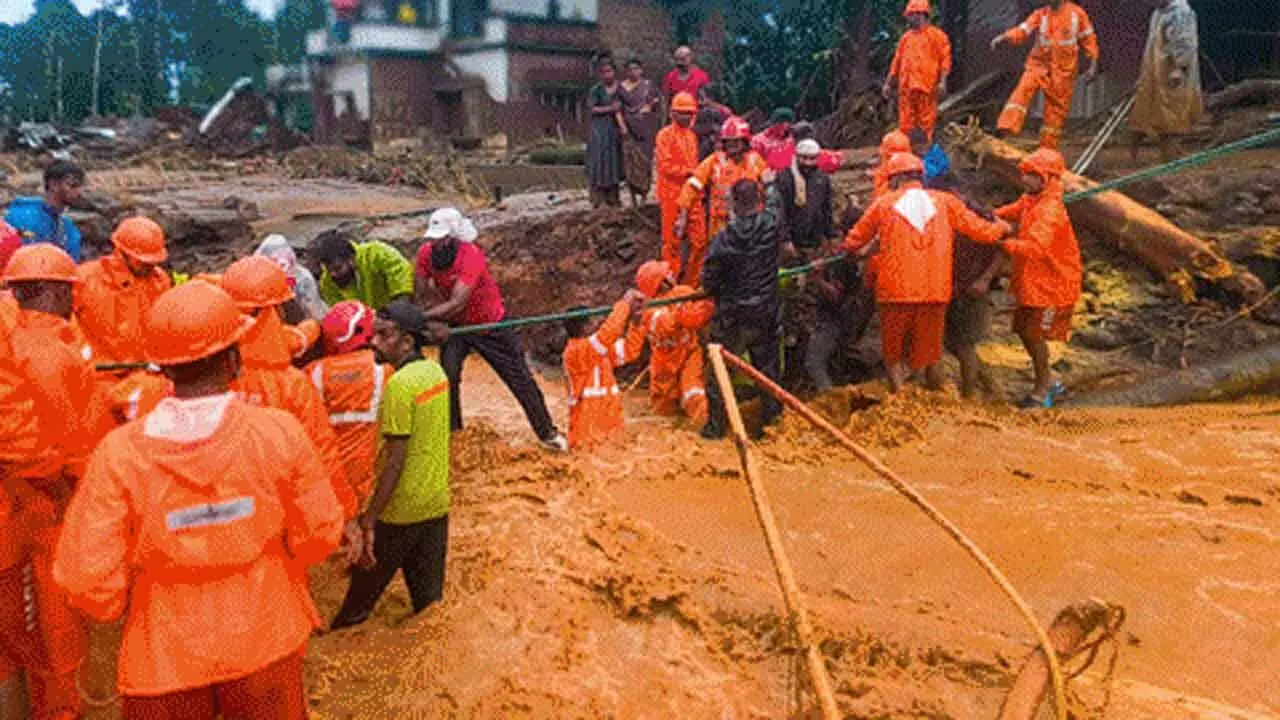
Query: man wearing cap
{"x": 920, "y": 68}
{"x": 915, "y": 229}
{"x": 56, "y": 360}
{"x": 806, "y": 210}
{"x": 197, "y": 525}
{"x": 454, "y": 268}
{"x": 116, "y": 291}
{"x": 372, "y": 272}
{"x": 44, "y": 219}
{"x": 675, "y": 159}
{"x": 406, "y": 522}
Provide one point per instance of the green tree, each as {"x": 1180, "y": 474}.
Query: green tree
{"x": 295, "y": 20}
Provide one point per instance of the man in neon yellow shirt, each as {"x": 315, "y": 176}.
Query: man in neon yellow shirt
{"x": 372, "y": 272}
{"x": 406, "y": 524}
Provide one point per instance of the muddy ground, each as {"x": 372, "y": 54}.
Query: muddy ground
{"x": 635, "y": 583}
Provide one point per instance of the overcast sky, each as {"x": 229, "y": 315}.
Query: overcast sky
{"x": 13, "y": 11}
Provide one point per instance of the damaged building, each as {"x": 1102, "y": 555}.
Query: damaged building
{"x": 469, "y": 69}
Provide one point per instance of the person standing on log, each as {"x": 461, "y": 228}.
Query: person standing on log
{"x": 451, "y": 264}
{"x": 914, "y": 230}
{"x": 44, "y": 219}
{"x": 1047, "y": 270}
{"x": 1168, "y": 100}
{"x": 675, "y": 159}
{"x": 920, "y": 68}
{"x": 1061, "y": 29}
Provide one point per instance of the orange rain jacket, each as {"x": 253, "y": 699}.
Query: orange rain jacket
{"x": 112, "y": 306}
{"x": 922, "y": 60}
{"x": 351, "y": 385}
{"x": 24, "y": 449}
{"x": 267, "y": 379}
{"x": 917, "y": 228}
{"x": 595, "y": 403}
{"x": 675, "y": 160}
{"x": 1045, "y": 255}
{"x": 717, "y": 175}
{"x": 676, "y": 361}
{"x": 1051, "y": 67}
{"x": 197, "y": 524}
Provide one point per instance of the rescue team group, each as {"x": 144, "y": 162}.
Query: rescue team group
{"x": 249, "y": 424}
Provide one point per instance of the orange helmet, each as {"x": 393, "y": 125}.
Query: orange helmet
{"x": 894, "y": 142}
{"x": 916, "y": 6}
{"x": 141, "y": 239}
{"x": 683, "y": 102}
{"x": 10, "y": 241}
{"x": 347, "y": 327}
{"x": 1045, "y": 162}
{"x": 904, "y": 162}
{"x": 257, "y": 282}
{"x": 735, "y": 128}
{"x": 45, "y": 262}
{"x": 650, "y": 275}
{"x": 191, "y": 322}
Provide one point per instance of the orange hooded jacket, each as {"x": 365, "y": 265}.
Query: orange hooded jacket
{"x": 112, "y": 306}
{"x": 1047, "y": 269}
{"x": 595, "y": 403}
{"x": 917, "y": 228}
{"x": 922, "y": 60}
{"x": 268, "y": 379}
{"x": 351, "y": 385}
{"x": 1050, "y": 68}
{"x": 676, "y": 361}
{"x": 198, "y": 524}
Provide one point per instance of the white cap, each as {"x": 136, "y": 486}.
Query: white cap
{"x": 449, "y": 222}
{"x": 808, "y": 148}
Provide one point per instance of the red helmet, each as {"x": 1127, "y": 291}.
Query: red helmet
{"x": 1045, "y": 162}
{"x": 348, "y": 327}
{"x": 735, "y": 128}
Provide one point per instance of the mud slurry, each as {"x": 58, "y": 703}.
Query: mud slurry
{"x": 635, "y": 582}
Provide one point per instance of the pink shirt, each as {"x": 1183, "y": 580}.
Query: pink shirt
{"x": 471, "y": 269}
{"x": 693, "y": 84}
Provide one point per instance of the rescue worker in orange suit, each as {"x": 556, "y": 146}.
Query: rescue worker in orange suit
{"x": 1061, "y": 29}
{"x": 920, "y": 68}
{"x": 56, "y": 360}
{"x": 1047, "y": 269}
{"x": 267, "y": 378}
{"x": 595, "y": 403}
{"x": 891, "y": 144}
{"x": 916, "y": 230}
{"x": 117, "y": 290}
{"x": 715, "y": 177}
{"x": 676, "y": 363}
{"x": 197, "y": 525}
{"x": 675, "y": 159}
{"x": 351, "y": 381}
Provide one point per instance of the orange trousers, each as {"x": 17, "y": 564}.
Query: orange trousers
{"x": 672, "y": 245}
{"x": 41, "y": 634}
{"x": 917, "y": 109}
{"x": 674, "y": 384}
{"x": 1057, "y": 86}
{"x": 273, "y": 693}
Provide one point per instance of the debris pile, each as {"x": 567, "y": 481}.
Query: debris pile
{"x": 434, "y": 172}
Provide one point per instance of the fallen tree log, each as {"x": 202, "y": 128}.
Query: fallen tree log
{"x": 1235, "y": 377}
{"x": 1257, "y": 90}
{"x": 1177, "y": 256}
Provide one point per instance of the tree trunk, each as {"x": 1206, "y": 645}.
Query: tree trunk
{"x": 1180, "y": 258}
{"x": 1257, "y": 90}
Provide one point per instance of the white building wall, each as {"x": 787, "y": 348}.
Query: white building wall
{"x": 493, "y": 66}
{"x": 351, "y": 76}
{"x": 587, "y": 10}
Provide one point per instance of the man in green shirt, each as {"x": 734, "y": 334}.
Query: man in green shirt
{"x": 406, "y": 523}
{"x": 372, "y": 272}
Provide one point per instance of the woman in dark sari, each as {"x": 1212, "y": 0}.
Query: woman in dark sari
{"x": 640, "y": 100}
{"x": 604, "y": 141}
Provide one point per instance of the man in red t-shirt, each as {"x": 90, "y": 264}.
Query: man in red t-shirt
{"x": 466, "y": 294}
{"x": 686, "y": 77}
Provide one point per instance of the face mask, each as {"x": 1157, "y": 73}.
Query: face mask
{"x": 443, "y": 255}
